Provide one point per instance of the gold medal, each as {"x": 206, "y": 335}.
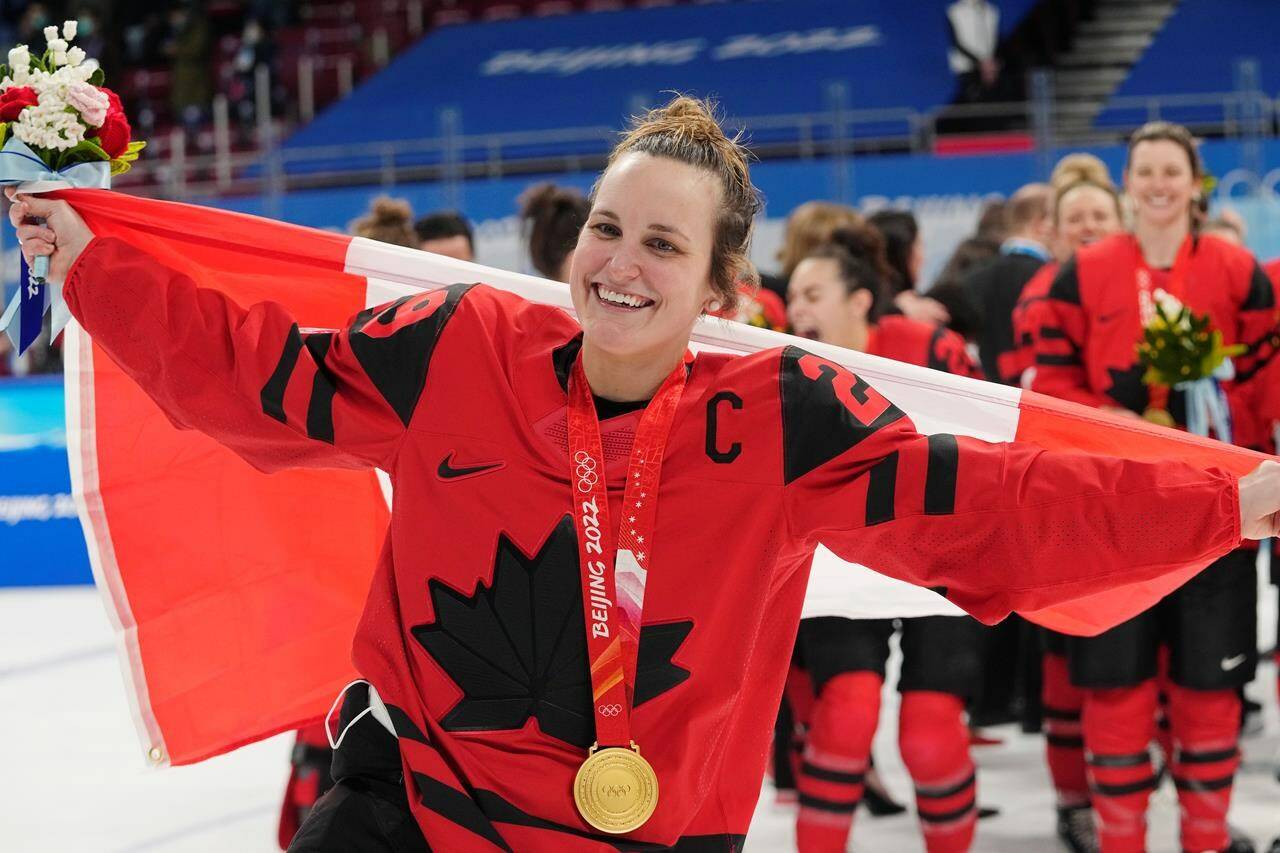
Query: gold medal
{"x": 615, "y": 790}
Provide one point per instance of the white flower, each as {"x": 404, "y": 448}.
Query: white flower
{"x": 20, "y": 57}
{"x": 59, "y": 58}
{"x": 57, "y": 45}
{"x": 69, "y": 30}
{"x": 50, "y": 33}
{"x": 75, "y": 56}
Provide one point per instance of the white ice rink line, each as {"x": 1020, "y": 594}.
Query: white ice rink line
{"x": 72, "y": 775}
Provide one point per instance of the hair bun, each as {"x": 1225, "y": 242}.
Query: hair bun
{"x": 1080, "y": 169}
{"x": 387, "y": 211}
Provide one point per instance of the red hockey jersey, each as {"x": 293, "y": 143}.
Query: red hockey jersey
{"x": 937, "y": 347}
{"x": 1086, "y": 350}
{"x": 473, "y": 632}
{"x": 1030, "y": 315}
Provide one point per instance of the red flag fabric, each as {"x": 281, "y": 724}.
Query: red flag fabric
{"x": 235, "y": 613}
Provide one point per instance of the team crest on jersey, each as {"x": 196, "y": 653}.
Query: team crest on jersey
{"x": 518, "y": 648}
{"x": 826, "y": 410}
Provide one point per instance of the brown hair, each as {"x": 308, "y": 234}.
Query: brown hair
{"x": 1081, "y": 170}
{"x": 552, "y": 216}
{"x": 856, "y": 272}
{"x": 1167, "y": 131}
{"x": 1030, "y": 204}
{"x": 686, "y": 130}
{"x": 389, "y": 220}
{"x": 809, "y": 226}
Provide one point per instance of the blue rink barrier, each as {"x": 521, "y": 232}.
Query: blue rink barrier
{"x": 41, "y": 542}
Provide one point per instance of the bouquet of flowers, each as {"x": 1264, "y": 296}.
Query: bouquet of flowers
{"x": 59, "y": 128}
{"x": 1182, "y": 350}
{"x": 55, "y": 104}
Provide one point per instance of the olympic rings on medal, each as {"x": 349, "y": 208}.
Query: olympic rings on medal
{"x": 585, "y": 470}
{"x": 610, "y": 710}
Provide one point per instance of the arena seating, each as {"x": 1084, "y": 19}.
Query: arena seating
{"x": 1197, "y": 53}
{"x": 592, "y": 70}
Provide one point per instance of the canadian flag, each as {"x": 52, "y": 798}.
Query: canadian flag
{"x": 234, "y": 616}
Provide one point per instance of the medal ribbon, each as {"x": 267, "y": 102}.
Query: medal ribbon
{"x": 614, "y": 567}
{"x": 1177, "y": 283}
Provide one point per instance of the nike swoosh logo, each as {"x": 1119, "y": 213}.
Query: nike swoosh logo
{"x": 446, "y": 471}
{"x": 1229, "y": 664}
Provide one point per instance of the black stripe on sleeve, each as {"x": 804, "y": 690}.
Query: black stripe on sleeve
{"x": 1052, "y": 333}
{"x": 455, "y": 806}
{"x": 320, "y": 408}
{"x": 1048, "y": 359}
{"x": 1261, "y": 295}
{"x": 1065, "y": 741}
{"x": 1066, "y": 284}
{"x": 882, "y": 481}
{"x": 273, "y": 392}
{"x": 940, "y": 482}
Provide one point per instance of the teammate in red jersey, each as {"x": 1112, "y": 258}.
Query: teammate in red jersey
{"x": 837, "y": 298}
{"x": 1086, "y": 208}
{"x": 1087, "y": 353}
{"x": 515, "y": 698}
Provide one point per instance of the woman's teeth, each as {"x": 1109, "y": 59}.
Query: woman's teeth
{"x": 625, "y": 300}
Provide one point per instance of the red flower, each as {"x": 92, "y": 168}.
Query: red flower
{"x": 115, "y": 133}
{"x": 15, "y": 99}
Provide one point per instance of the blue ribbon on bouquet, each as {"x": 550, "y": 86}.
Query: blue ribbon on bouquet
{"x": 1207, "y": 407}
{"x": 24, "y": 314}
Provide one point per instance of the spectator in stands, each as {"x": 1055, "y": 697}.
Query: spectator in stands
{"x": 551, "y": 217}
{"x": 904, "y": 251}
{"x": 974, "y": 28}
{"x": 389, "y": 220}
{"x": 446, "y": 233}
{"x": 187, "y": 46}
{"x": 32, "y": 24}
{"x": 89, "y": 36}
{"x": 255, "y": 50}
{"x": 994, "y": 287}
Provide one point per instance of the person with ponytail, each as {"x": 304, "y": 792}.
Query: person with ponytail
{"x": 580, "y": 622}
{"x": 1086, "y": 352}
{"x": 838, "y": 295}
{"x": 552, "y": 217}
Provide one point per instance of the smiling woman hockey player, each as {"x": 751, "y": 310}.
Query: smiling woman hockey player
{"x": 526, "y": 690}
{"x": 1086, "y": 352}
